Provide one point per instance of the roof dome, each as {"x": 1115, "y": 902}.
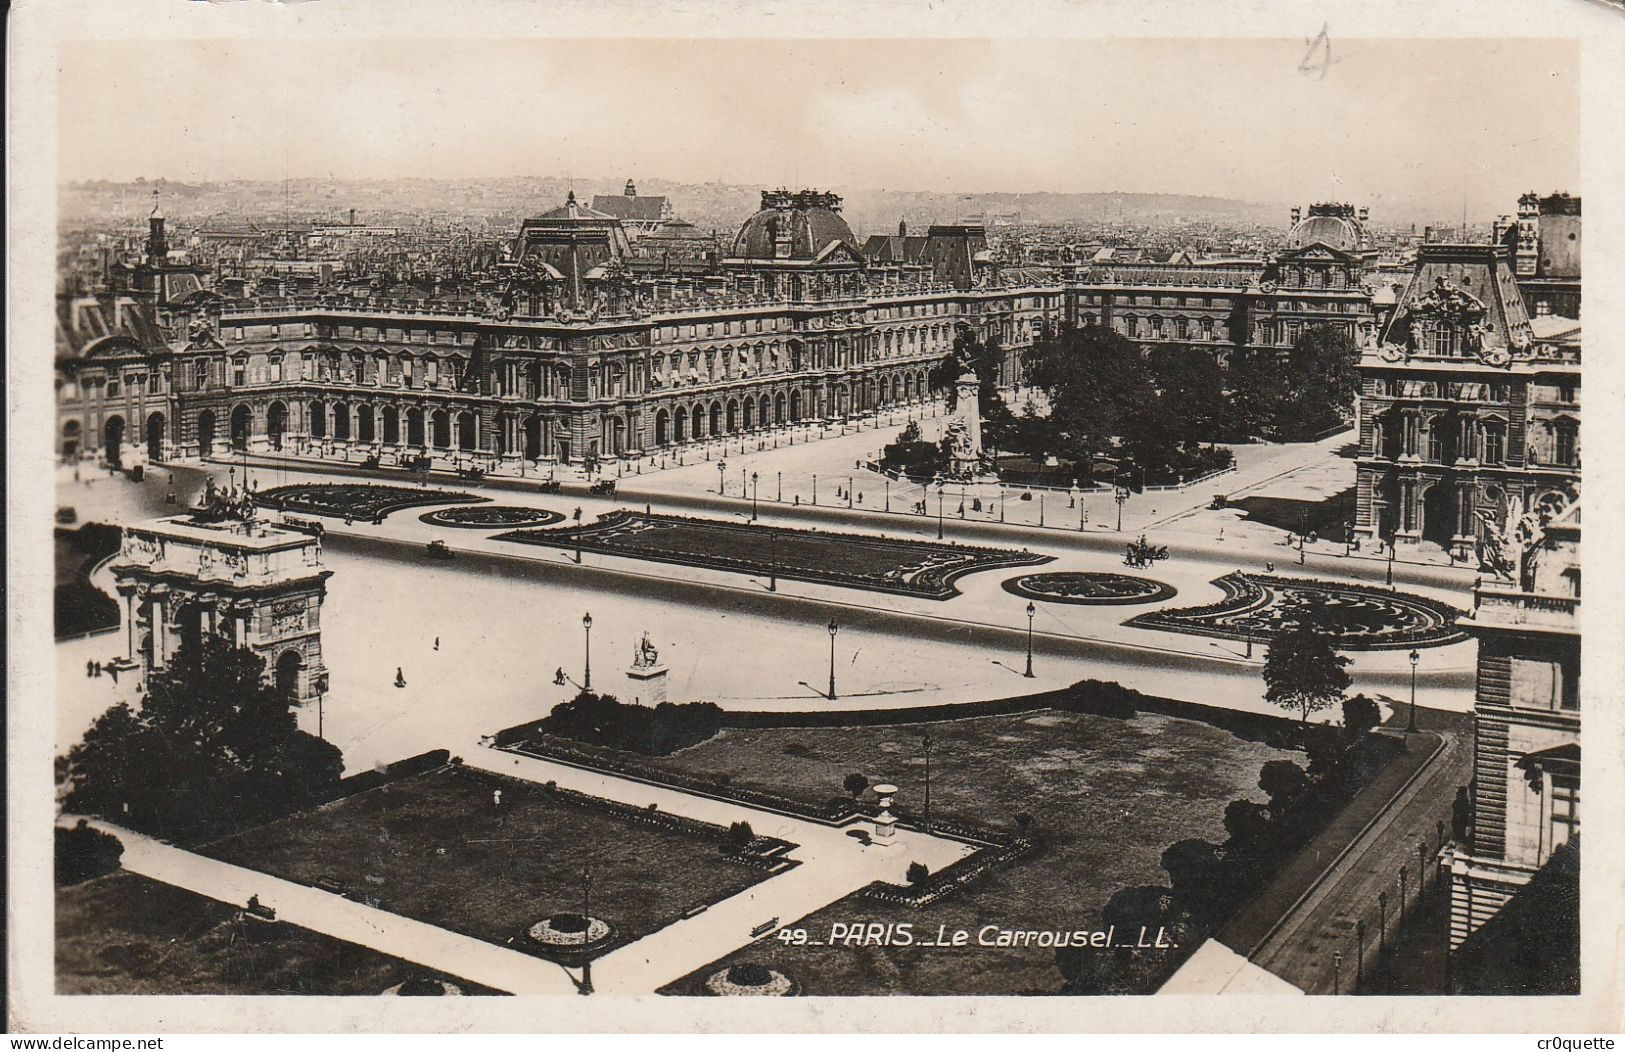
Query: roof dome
{"x": 1335, "y": 226}
{"x": 793, "y": 226}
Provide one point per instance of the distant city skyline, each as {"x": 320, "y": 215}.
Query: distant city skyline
{"x": 1407, "y": 127}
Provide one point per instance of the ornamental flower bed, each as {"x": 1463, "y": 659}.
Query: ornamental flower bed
{"x": 1089, "y": 589}
{"x": 358, "y": 500}
{"x": 750, "y": 980}
{"x": 848, "y": 560}
{"x": 1257, "y": 606}
{"x": 490, "y": 517}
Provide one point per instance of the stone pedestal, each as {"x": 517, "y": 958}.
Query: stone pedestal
{"x": 885, "y": 834}
{"x": 648, "y": 683}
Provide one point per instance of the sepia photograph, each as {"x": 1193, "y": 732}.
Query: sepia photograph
{"x": 772, "y": 511}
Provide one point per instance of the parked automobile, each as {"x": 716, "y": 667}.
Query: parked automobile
{"x": 438, "y": 550}
{"x": 602, "y": 488}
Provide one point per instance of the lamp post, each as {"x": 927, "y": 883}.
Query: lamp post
{"x": 753, "y": 496}
{"x": 1422, "y": 869}
{"x": 772, "y": 559}
{"x": 1031, "y": 610}
{"x": 1402, "y": 876}
{"x": 578, "y": 536}
{"x": 815, "y": 491}
{"x": 849, "y": 492}
{"x": 926, "y": 743}
{"x": 1337, "y": 971}
{"x": 888, "y": 494}
{"x": 1359, "y": 956}
{"x": 722, "y": 477}
{"x": 586, "y": 673}
{"x": 780, "y": 497}
{"x": 1415, "y": 659}
{"x": 1121, "y": 496}
{"x": 833, "y": 628}
{"x": 940, "y": 487}
{"x": 1382, "y": 922}
{"x": 586, "y": 920}
{"x": 1392, "y": 550}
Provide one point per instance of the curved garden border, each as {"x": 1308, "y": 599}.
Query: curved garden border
{"x": 468, "y": 518}
{"x": 1433, "y": 624}
{"x": 1109, "y": 589}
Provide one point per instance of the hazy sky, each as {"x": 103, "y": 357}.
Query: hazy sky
{"x": 1415, "y": 123}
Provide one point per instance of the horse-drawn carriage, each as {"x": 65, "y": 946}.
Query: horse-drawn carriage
{"x": 1141, "y": 553}
{"x": 471, "y": 473}
{"x": 551, "y": 486}
{"x": 418, "y": 464}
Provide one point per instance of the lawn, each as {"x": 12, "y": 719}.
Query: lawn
{"x": 1108, "y": 796}
{"x": 919, "y": 568}
{"x": 125, "y": 934}
{"x": 434, "y": 848}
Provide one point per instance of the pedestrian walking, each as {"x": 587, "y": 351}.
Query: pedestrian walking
{"x": 437, "y": 642}
{"x": 400, "y": 679}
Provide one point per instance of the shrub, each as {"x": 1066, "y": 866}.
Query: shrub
{"x": 739, "y": 837}
{"x": 1360, "y": 714}
{"x": 854, "y": 784}
{"x": 918, "y": 871}
{"x": 746, "y": 974}
{"x": 599, "y": 719}
{"x": 83, "y": 853}
{"x": 570, "y": 923}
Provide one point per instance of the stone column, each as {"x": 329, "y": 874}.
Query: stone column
{"x": 159, "y": 616}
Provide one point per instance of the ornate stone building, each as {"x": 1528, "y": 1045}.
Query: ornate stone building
{"x": 1317, "y": 279}
{"x": 584, "y": 342}
{"x": 1525, "y": 801}
{"x": 258, "y": 583}
{"x": 587, "y": 354}
{"x": 1466, "y": 408}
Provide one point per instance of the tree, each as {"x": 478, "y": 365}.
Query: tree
{"x": 1360, "y": 715}
{"x": 854, "y": 784}
{"x": 1284, "y": 782}
{"x": 215, "y": 746}
{"x": 1304, "y": 672}
{"x": 83, "y": 853}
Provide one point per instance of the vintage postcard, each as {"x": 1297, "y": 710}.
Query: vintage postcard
{"x": 1058, "y": 518}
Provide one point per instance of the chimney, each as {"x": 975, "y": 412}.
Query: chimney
{"x": 352, "y": 217}
{"x": 902, "y": 228}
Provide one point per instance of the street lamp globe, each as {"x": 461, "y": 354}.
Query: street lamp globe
{"x": 586, "y": 621}
{"x": 1031, "y": 610}
{"x": 833, "y": 628}
{"x": 1415, "y": 657}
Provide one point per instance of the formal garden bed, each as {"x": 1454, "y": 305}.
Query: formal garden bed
{"x": 881, "y": 564}
{"x": 1089, "y": 589}
{"x": 444, "y": 848}
{"x": 126, "y": 934}
{"x": 750, "y": 980}
{"x": 491, "y": 517}
{"x": 1070, "y": 794}
{"x": 355, "y": 500}
{"x": 1257, "y": 607}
